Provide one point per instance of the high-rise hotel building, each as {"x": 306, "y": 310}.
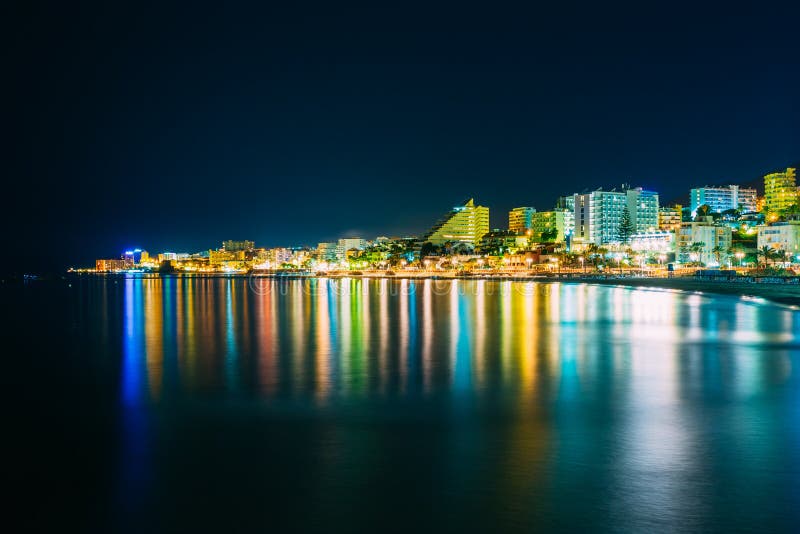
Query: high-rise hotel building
{"x": 467, "y": 223}
{"x": 643, "y": 209}
{"x": 566, "y": 205}
{"x": 724, "y": 198}
{"x": 550, "y": 225}
{"x": 519, "y": 219}
{"x": 598, "y": 214}
{"x": 780, "y": 191}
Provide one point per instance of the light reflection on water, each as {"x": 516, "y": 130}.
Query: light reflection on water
{"x": 574, "y": 404}
{"x": 332, "y": 339}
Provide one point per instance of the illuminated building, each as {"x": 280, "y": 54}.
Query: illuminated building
{"x": 643, "y": 208}
{"x": 219, "y": 257}
{"x": 519, "y": 219}
{"x": 569, "y": 221}
{"x": 148, "y": 261}
{"x": 235, "y": 246}
{"x": 133, "y": 257}
{"x": 349, "y": 246}
{"x": 327, "y": 251}
{"x": 279, "y": 255}
{"x": 464, "y": 224}
{"x": 599, "y": 214}
{"x": 669, "y": 218}
{"x": 500, "y": 242}
{"x": 723, "y": 198}
{"x": 301, "y": 254}
{"x": 566, "y": 203}
{"x": 780, "y": 192}
{"x": 709, "y": 239}
{"x": 351, "y": 243}
{"x": 749, "y": 220}
{"x": 653, "y": 242}
{"x": 783, "y": 237}
{"x": 550, "y": 226}
{"x": 104, "y": 266}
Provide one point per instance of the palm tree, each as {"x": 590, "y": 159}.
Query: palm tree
{"x": 767, "y": 253}
{"x": 683, "y": 251}
{"x": 602, "y": 251}
{"x": 549, "y": 235}
{"x": 717, "y": 251}
{"x": 697, "y": 248}
{"x": 702, "y": 212}
{"x": 590, "y": 253}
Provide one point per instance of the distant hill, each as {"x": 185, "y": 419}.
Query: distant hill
{"x": 757, "y": 183}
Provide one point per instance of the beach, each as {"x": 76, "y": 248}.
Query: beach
{"x": 783, "y": 293}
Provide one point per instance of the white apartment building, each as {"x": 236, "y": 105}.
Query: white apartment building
{"x": 783, "y": 237}
{"x": 598, "y": 214}
{"x": 715, "y": 239}
{"x": 723, "y": 198}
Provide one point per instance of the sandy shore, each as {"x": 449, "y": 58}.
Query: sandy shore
{"x": 782, "y": 293}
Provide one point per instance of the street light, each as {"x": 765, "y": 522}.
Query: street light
{"x": 739, "y": 255}
{"x": 640, "y": 259}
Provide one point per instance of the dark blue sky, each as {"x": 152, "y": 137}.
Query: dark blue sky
{"x": 175, "y": 128}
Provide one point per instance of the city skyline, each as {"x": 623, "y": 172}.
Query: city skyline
{"x": 720, "y": 225}
{"x": 420, "y": 226}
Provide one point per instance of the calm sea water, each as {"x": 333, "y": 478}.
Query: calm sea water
{"x": 186, "y": 404}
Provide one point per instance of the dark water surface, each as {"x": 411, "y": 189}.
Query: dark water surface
{"x": 197, "y": 404}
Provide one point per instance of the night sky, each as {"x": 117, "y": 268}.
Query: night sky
{"x": 136, "y": 124}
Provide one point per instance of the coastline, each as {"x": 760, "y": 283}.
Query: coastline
{"x": 781, "y": 293}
